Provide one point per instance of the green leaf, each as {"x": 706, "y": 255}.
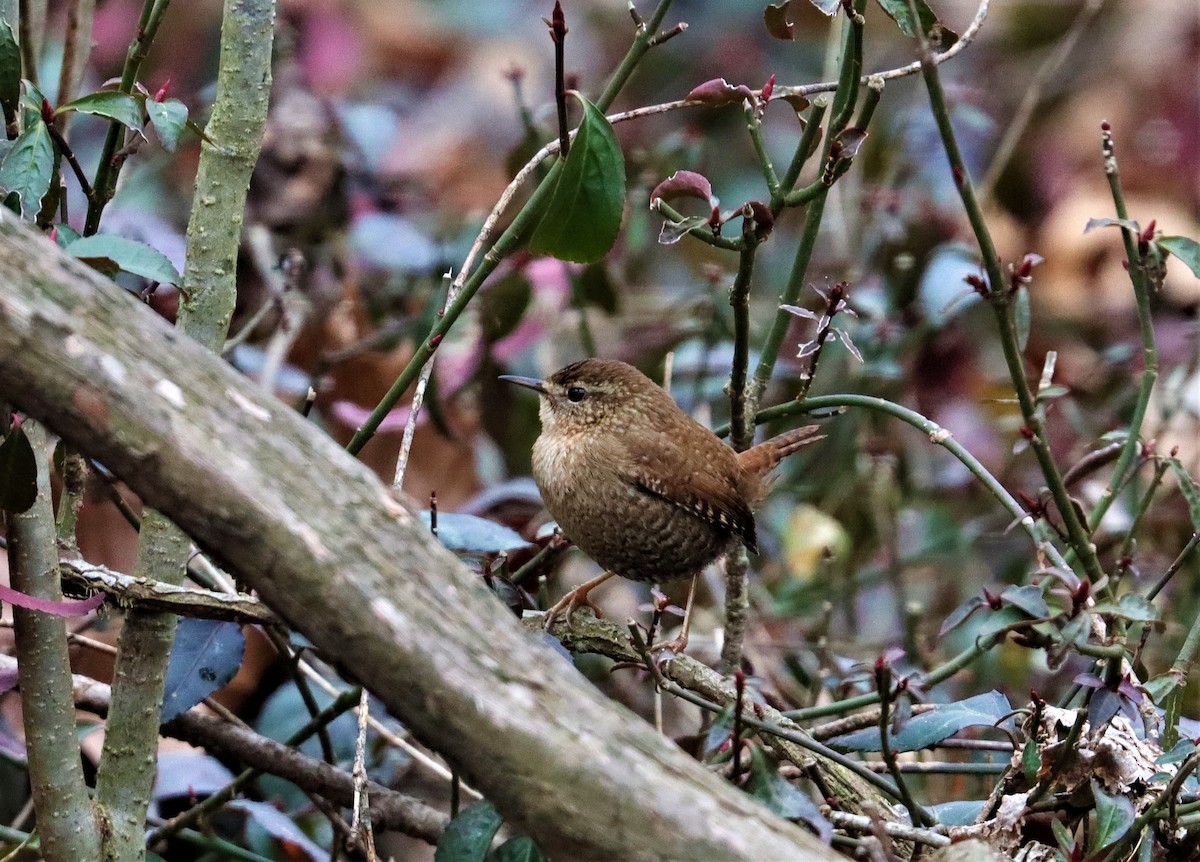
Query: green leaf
{"x": 112, "y": 253}
{"x": 121, "y": 107}
{"x": 18, "y": 472}
{"x": 1187, "y": 250}
{"x": 1022, "y": 318}
{"x": 169, "y": 117}
{"x": 1114, "y": 816}
{"x": 468, "y": 836}
{"x": 932, "y": 727}
{"x": 898, "y": 11}
{"x": 28, "y": 168}
{"x": 1189, "y": 489}
{"x": 1031, "y": 762}
{"x": 519, "y": 849}
{"x": 206, "y": 655}
{"x": 10, "y": 71}
{"x": 64, "y": 235}
{"x": 781, "y": 796}
{"x": 583, "y": 217}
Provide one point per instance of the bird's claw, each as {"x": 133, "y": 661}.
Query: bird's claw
{"x": 566, "y": 606}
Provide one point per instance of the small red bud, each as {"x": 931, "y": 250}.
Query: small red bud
{"x": 1174, "y": 451}
{"x": 434, "y": 342}
{"x": 162, "y": 91}
{"x": 959, "y": 175}
{"x": 1106, "y": 126}
{"x": 1027, "y": 432}
{"x": 53, "y": 234}
{"x": 767, "y": 89}
{"x": 47, "y": 111}
{"x": 992, "y": 599}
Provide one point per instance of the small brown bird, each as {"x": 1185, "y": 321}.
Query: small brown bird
{"x": 641, "y": 487}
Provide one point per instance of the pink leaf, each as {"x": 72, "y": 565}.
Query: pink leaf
{"x": 718, "y": 91}
{"x": 683, "y": 184}
{"x": 64, "y": 608}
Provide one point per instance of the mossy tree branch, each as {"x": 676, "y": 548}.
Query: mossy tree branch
{"x": 208, "y": 293}
{"x": 66, "y": 823}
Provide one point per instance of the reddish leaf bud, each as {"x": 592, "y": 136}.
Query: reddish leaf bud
{"x": 47, "y": 111}
{"x": 767, "y": 89}
{"x": 162, "y": 91}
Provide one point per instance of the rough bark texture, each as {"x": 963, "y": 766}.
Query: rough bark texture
{"x": 329, "y": 549}
{"x": 64, "y": 813}
{"x": 208, "y": 293}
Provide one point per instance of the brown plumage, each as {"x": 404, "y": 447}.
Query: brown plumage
{"x": 636, "y": 483}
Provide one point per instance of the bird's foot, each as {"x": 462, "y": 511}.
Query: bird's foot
{"x": 675, "y": 646}
{"x": 566, "y": 606}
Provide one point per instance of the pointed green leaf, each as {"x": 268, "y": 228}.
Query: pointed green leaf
{"x": 168, "y": 118}
{"x": 121, "y": 107}
{"x": 1187, "y": 250}
{"x": 1189, "y": 488}
{"x": 28, "y": 167}
{"x": 1031, "y": 762}
{"x": 10, "y": 71}
{"x": 583, "y": 217}
{"x": 468, "y": 836}
{"x": 1114, "y": 816}
{"x": 899, "y": 11}
{"x": 18, "y": 472}
{"x": 1022, "y": 317}
{"x": 111, "y": 253}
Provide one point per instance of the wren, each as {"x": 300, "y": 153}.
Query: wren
{"x": 642, "y": 488}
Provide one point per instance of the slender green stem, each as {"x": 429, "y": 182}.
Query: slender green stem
{"x": 741, "y": 402}
{"x": 1152, "y": 811}
{"x": 807, "y": 145}
{"x": 344, "y": 702}
{"x": 754, "y": 127}
{"x": 1036, "y": 530}
{"x": 842, "y": 111}
{"x": 916, "y": 812}
{"x": 66, "y": 822}
{"x": 779, "y": 327}
{"x": 1141, "y": 293}
{"x": 1000, "y": 297}
{"x": 508, "y": 241}
{"x": 702, "y": 232}
{"x": 1143, "y": 506}
{"x": 1061, "y": 758}
{"x": 1174, "y": 567}
{"x": 938, "y": 675}
{"x": 110, "y": 164}
{"x": 801, "y": 739}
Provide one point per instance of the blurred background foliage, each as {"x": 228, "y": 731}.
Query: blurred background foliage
{"x": 395, "y": 126}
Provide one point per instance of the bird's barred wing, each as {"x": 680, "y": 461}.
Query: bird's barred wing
{"x": 707, "y": 499}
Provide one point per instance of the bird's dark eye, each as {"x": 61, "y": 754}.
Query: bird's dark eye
{"x": 576, "y": 394}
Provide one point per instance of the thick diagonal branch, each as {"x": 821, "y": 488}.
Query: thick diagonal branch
{"x": 328, "y": 548}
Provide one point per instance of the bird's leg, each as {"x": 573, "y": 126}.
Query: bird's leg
{"x": 576, "y": 597}
{"x": 679, "y": 643}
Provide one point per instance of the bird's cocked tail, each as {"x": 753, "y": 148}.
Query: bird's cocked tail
{"x": 758, "y": 461}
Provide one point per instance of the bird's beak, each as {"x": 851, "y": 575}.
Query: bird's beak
{"x": 533, "y": 383}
